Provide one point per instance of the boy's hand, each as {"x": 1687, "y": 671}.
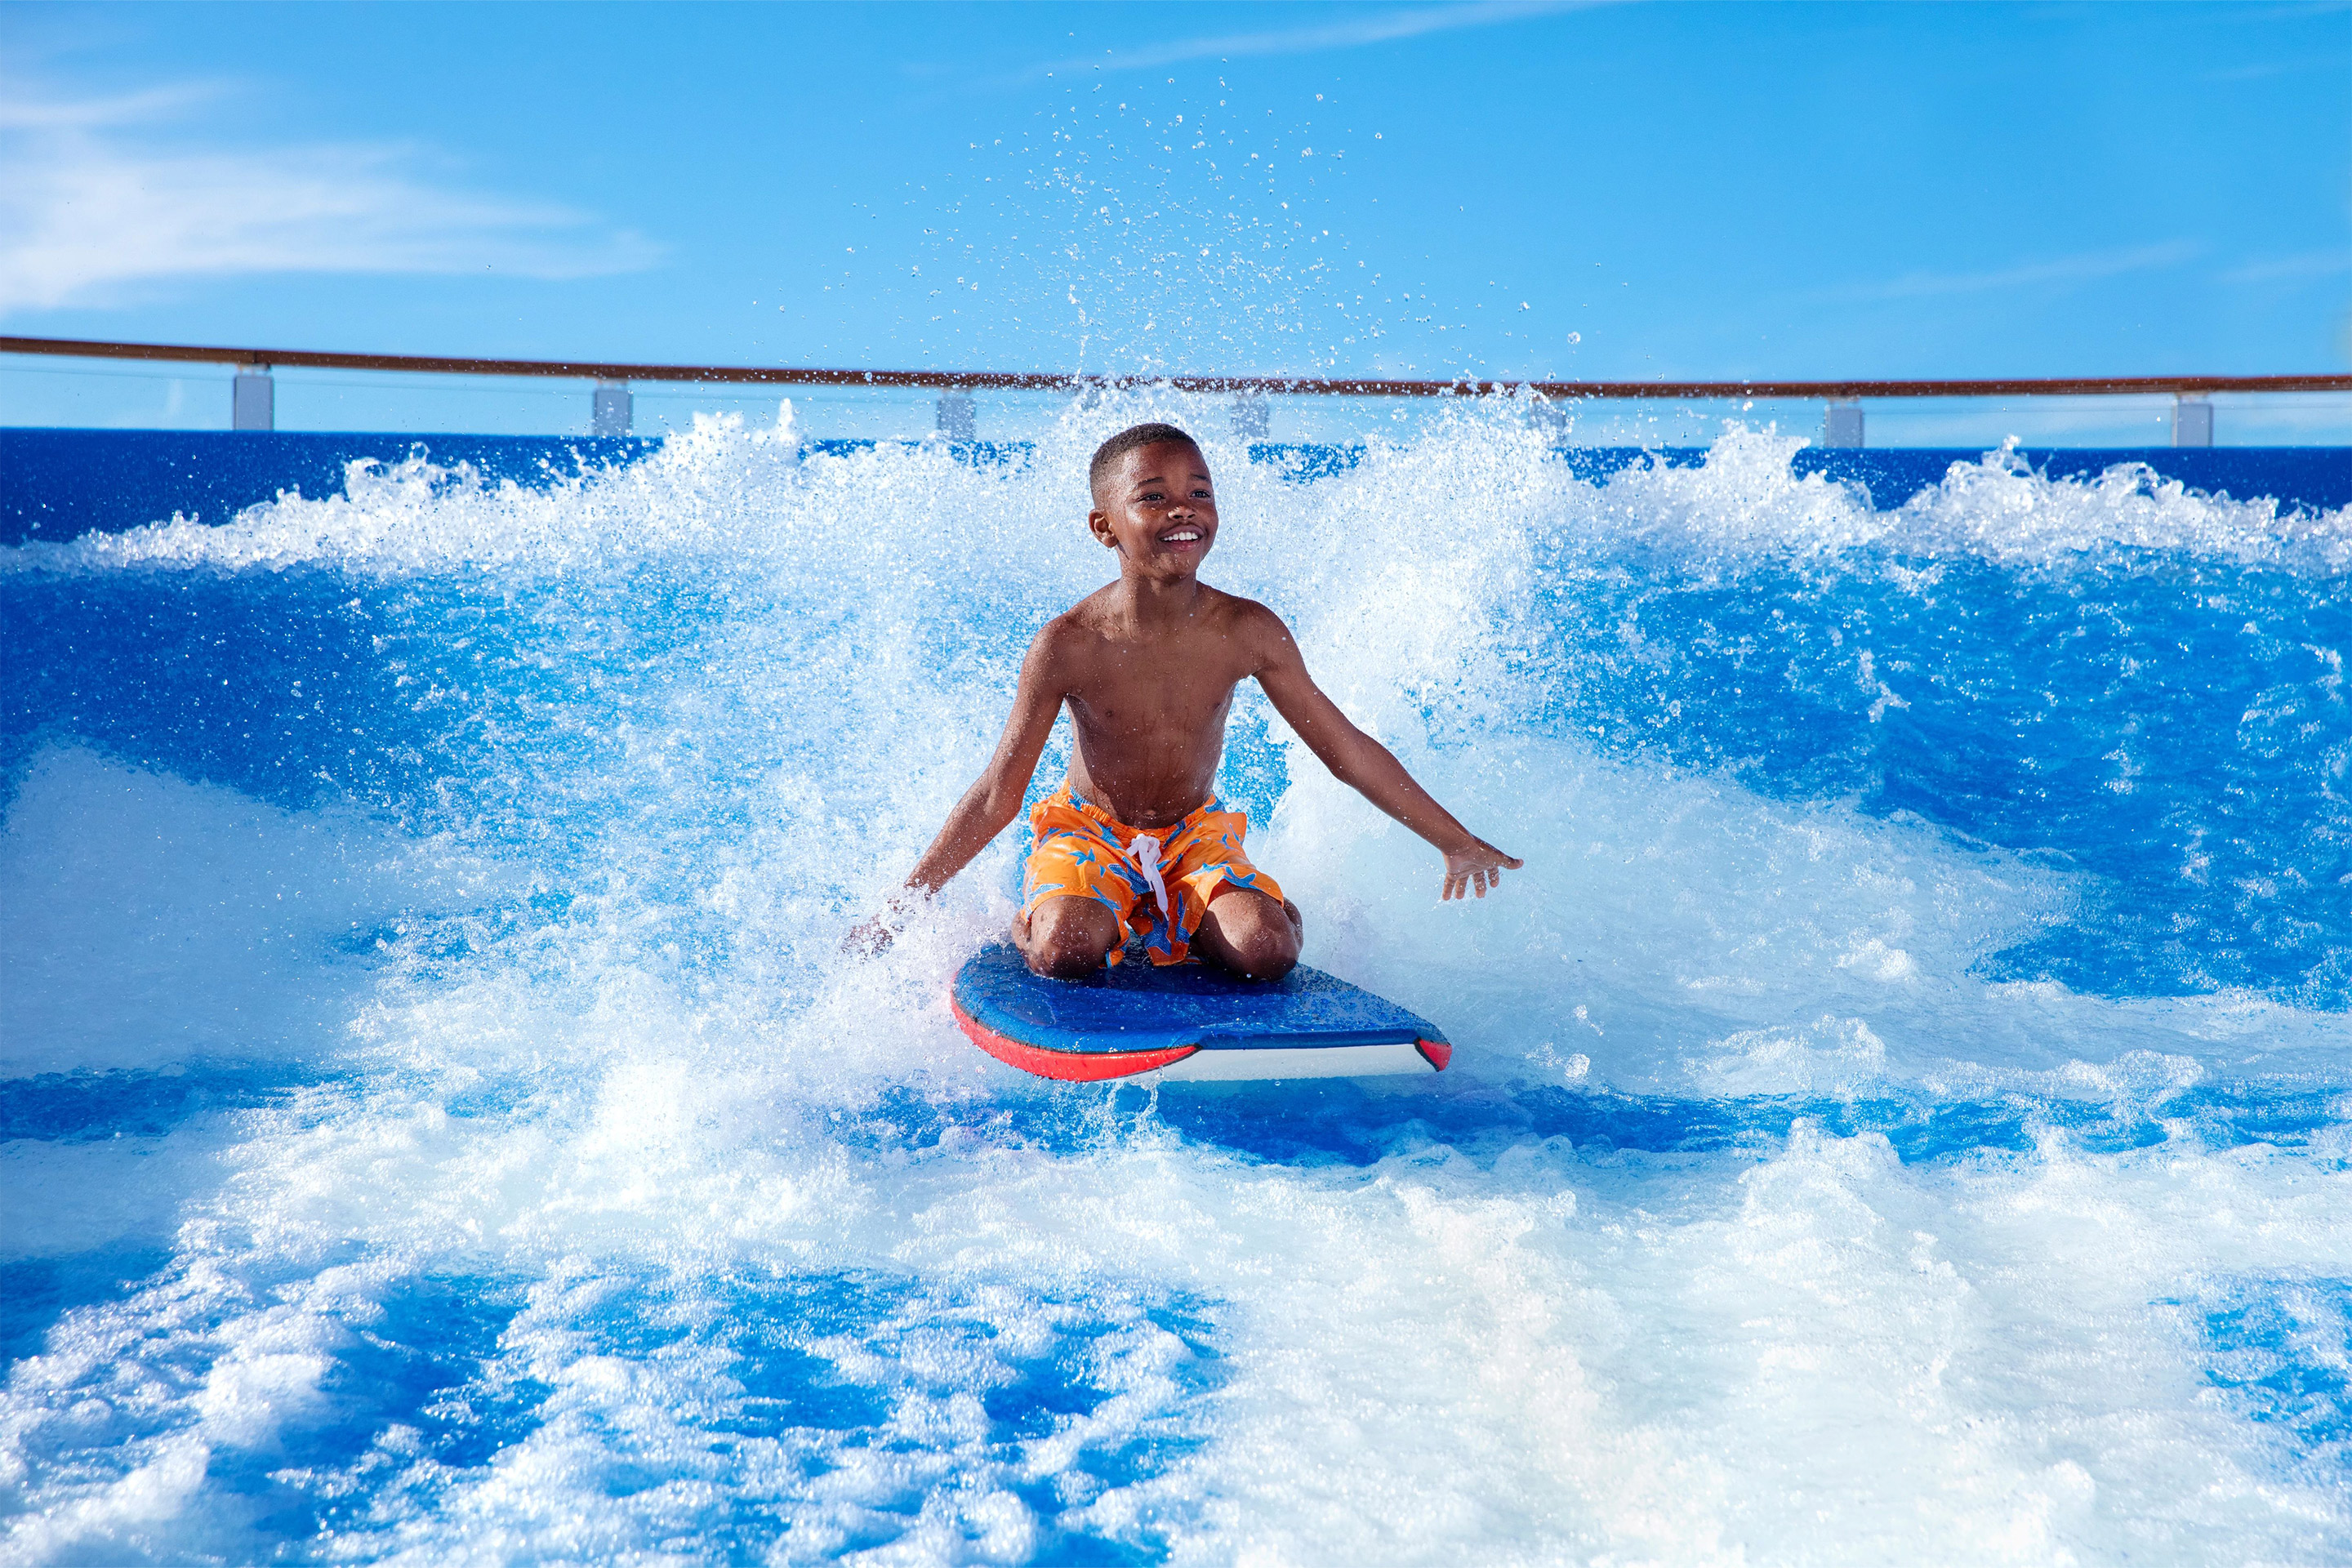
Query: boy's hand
{"x": 1476, "y": 865}
{"x": 867, "y": 940}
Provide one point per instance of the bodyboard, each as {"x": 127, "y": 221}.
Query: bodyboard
{"x": 1186, "y": 1021}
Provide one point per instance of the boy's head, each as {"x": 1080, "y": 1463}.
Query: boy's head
{"x": 1154, "y": 503}
{"x": 1109, "y": 457}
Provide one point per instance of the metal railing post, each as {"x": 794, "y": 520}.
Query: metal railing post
{"x": 2192, "y": 419}
{"x": 1252, "y": 419}
{"x": 1841, "y": 422}
{"x": 253, "y": 399}
{"x": 613, "y": 409}
{"x": 958, "y": 421}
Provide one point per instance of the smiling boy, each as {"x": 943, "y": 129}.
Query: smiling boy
{"x": 1134, "y": 843}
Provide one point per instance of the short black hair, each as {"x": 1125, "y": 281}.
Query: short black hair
{"x": 1108, "y": 454}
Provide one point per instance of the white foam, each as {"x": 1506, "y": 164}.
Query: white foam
{"x": 1475, "y": 479}
{"x": 149, "y": 920}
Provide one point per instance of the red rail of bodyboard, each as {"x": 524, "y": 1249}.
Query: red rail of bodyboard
{"x": 1071, "y": 1067}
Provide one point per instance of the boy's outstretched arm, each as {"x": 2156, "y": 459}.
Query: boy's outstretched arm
{"x": 990, "y": 805}
{"x": 1364, "y": 764}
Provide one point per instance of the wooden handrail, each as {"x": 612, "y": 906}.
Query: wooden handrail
{"x": 970, "y": 380}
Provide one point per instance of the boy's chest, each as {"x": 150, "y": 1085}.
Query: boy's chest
{"x": 1180, "y": 685}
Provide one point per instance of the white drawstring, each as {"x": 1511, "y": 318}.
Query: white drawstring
{"x": 1146, "y": 850}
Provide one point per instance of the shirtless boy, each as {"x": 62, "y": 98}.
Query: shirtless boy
{"x": 1148, "y": 666}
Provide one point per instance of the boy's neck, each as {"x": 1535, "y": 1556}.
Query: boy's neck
{"x": 1157, "y": 601}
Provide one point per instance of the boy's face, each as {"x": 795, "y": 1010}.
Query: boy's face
{"x": 1157, "y": 508}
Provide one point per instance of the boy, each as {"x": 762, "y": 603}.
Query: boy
{"x": 1148, "y": 666}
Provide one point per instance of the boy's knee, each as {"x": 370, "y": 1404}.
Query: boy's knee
{"x": 1269, "y": 953}
{"x": 1261, "y": 937}
{"x": 1068, "y": 961}
{"x": 1070, "y": 938}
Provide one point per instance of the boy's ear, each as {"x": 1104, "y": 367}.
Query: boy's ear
{"x": 1098, "y": 525}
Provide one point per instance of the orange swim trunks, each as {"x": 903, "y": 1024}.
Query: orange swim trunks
{"x": 1158, "y": 881}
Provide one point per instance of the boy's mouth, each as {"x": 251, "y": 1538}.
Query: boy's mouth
{"x": 1181, "y": 536}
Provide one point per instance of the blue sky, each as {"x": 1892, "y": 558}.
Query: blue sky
{"x": 1508, "y": 189}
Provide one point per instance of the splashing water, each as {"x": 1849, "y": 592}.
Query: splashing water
{"x": 1901, "y": 1113}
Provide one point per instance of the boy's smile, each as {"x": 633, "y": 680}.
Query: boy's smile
{"x": 1159, "y": 508}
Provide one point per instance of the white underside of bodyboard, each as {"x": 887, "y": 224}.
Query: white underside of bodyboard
{"x": 1292, "y": 1062}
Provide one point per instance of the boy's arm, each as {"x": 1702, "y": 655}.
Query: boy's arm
{"x": 993, "y": 801}
{"x": 1364, "y": 764}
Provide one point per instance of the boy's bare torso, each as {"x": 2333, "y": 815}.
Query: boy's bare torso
{"x": 1148, "y": 703}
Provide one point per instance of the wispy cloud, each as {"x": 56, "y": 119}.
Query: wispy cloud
{"x": 1381, "y": 28}
{"x": 90, "y": 210}
{"x": 22, "y": 110}
{"x": 2088, "y": 268}
{"x": 2282, "y": 269}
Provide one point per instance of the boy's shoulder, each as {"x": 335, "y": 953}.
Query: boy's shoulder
{"x": 1233, "y": 612}
{"x": 1250, "y": 618}
{"x": 1081, "y": 619}
{"x": 1235, "y": 605}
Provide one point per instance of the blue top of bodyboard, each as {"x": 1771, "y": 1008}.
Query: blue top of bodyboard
{"x": 1137, "y": 1007}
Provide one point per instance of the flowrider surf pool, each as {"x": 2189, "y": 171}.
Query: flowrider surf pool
{"x": 1901, "y": 1113}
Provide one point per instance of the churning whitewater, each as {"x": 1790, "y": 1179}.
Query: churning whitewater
{"x": 1901, "y": 1113}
